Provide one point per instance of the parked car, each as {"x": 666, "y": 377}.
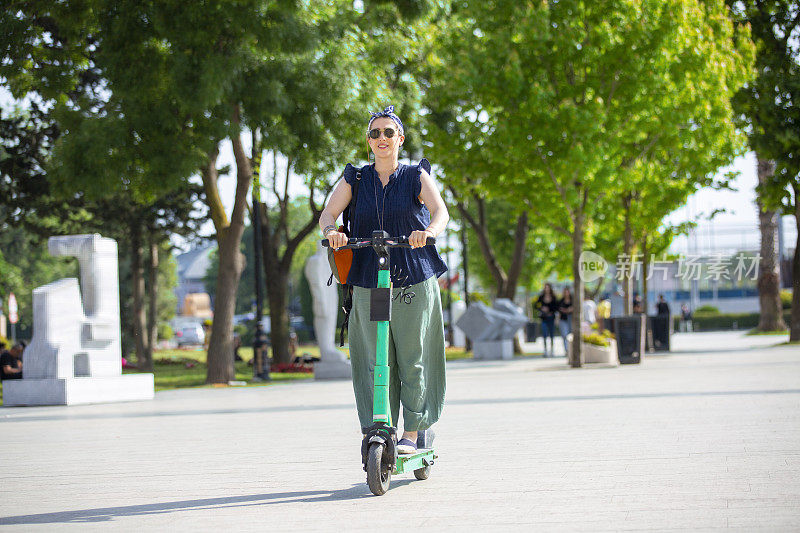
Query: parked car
{"x": 190, "y": 335}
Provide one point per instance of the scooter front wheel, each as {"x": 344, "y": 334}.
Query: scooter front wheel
{"x": 379, "y": 474}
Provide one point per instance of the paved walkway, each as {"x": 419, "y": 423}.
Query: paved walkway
{"x": 705, "y": 438}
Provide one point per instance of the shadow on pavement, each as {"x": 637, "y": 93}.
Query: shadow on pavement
{"x": 710, "y": 351}
{"x": 105, "y": 514}
{"x": 148, "y": 414}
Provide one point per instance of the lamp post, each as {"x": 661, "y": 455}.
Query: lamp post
{"x": 468, "y": 343}
{"x": 260, "y": 343}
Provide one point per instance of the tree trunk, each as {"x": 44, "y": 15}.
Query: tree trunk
{"x": 645, "y": 267}
{"x": 518, "y": 259}
{"x": 627, "y": 250}
{"x": 794, "y": 326}
{"x": 231, "y": 259}
{"x": 464, "y": 266}
{"x": 769, "y": 298}
{"x": 152, "y": 296}
{"x": 481, "y": 229}
{"x": 515, "y": 269}
{"x": 137, "y": 277}
{"x": 231, "y": 265}
{"x": 278, "y": 265}
{"x": 597, "y": 291}
{"x": 505, "y": 281}
{"x": 277, "y": 294}
{"x": 576, "y": 354}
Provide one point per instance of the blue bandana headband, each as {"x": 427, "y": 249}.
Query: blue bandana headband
{"x": 389, "y": 113}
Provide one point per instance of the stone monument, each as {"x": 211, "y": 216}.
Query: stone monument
{"x": 492, "y": 330}
{"x": 75, "y": 355}
{"x": 332, "y": 364}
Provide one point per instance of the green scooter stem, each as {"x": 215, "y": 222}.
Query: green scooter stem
{"x": 380, "y": 403}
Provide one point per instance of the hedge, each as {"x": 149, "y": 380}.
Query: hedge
{"x": 724, "y": 321}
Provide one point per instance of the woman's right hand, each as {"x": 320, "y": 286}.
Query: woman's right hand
{"x": 336, "y": 239}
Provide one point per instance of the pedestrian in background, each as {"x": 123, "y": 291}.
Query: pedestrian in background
{"x": 662, "y": 307}
{"x": 638, "y": 306}
{"x": 11, "y": 363}
{"x": 686, "y": 318}
{"x": 547, "y": 306}
{"x": 565, "y": 316}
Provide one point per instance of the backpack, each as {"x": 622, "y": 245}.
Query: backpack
{"x": 341, "y": 260}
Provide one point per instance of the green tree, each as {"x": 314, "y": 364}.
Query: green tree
{"x": 24, "y": 265}
{"x": 163, "y": 296}
{"x": 206, "y": 72}
{"x": 51, "y": 57}
{"x": 143, "y": 231}
{"x": 543, "y": 249}
{"x": 656, "y": 185}
{"x": 582, "y": 92}
{"x": 770, "y": 113}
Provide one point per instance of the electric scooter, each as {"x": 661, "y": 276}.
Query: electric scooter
{"x": 379, "y": 445}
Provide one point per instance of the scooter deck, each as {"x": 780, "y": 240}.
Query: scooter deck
{"x": 408, "y": 463}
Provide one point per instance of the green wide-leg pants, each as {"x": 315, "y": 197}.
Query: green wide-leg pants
{"x": 416, "y": 355}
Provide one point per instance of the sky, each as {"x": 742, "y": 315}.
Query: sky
{"x": 734, "y": 229}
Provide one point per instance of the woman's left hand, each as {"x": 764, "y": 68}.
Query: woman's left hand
{"x": 419, "y": 238}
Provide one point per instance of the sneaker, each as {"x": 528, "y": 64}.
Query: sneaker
{"x": 406, "y": 447}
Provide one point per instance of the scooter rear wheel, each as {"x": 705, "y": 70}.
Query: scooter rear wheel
{"x": 378, "y": 473}
{"x": 422, "y": 473}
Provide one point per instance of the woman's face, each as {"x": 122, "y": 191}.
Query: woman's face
{"x": 384, "y": 147}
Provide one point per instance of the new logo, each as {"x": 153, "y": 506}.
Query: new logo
{"x": 592, "y": 266}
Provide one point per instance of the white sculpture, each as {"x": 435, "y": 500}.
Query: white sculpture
{"x": 75, "y": 355}
{"x": 459, "y": 339}
{"x": 333, "y": 364}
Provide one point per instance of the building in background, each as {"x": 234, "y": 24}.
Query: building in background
{"x": 192, "y": 267}
{"x": 717, "y": 266}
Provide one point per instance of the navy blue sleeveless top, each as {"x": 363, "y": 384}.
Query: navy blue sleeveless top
{"x": 397, "y": 210}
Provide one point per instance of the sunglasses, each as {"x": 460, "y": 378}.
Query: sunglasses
{"x": 376, "y": 133}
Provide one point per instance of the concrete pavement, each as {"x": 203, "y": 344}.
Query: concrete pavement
{"x": 705, "y": 438}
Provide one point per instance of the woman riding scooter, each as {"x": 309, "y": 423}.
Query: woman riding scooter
{"x": 401, "y": 200}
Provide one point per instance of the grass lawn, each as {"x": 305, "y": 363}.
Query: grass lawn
{"x": 180, "y": 368}
{"x": 179, "y": 374}
{"x": 199, "y": 354}
{"x": 777, "y": 332}
{"x": 454, "y": 354}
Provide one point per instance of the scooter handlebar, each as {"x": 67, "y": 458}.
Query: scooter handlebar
{"x": 391, "y": 242}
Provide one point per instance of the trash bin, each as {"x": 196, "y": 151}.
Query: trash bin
{"x": 658, "y": 333}
{"x": 631, "y": 332}
{"x": 531, "y": 332}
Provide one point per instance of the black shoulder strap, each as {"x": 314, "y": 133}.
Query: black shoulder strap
{"x": 347, "y": 306}
{"x": 347, "y": 290}
{"x": 347, "y": 215}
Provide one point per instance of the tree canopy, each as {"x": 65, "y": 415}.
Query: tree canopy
{"x": 579, "y": 96}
